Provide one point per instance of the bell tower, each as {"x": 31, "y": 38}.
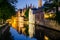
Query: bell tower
{"x": 39, "y": 3}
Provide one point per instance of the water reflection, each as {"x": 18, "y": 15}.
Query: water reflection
{"x": 17, "y": 36}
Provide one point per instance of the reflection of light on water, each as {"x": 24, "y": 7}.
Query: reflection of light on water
{"x": 18, "y": 36}
{"x": 14, "y": 22}
{"x": 45, "y": 37}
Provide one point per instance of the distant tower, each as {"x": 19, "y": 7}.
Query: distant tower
{"x": 26, "y": 6}
{"x": 39, "y": 3}
{"x": 30, "y": 5}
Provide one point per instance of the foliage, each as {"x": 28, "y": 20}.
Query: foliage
{"x": 26, "y": 26}
{"x": 26, "y": 13}
{"x": 7, "y": 9}
{"x": 50, "y": 6}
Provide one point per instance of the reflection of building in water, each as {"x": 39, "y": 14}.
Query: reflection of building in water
{"x": 14, "y": 22}
{"x": 18, "y": 20}
{"x": 20, "y": 16}
{"x": 31, "y": 23}
{"x": 35, "y": 15}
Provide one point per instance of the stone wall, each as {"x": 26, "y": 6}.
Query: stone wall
{"x": 52, "y": 24}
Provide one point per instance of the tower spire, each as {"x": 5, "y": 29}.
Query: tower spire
{"x": 39, "y": 3}
{"x": 26, "y": 6}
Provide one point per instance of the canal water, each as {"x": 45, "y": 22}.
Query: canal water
{"x": 16, "y": 36}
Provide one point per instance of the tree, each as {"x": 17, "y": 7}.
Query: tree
{"x": 50, "y": 5}
{"x": 7, "y": 8}
{"x": 27, "y": 13}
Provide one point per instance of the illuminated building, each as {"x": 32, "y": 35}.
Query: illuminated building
{"x": 20, "y": 20}
{"x": 31, "y": 23}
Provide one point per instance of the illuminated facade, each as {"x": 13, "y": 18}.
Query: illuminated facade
{"x": 31, "y": 23}
{"x": 17, "y": 21}
{"x": 49, "y": 15}
{"x": 14, "y": 22}
{"x": 20, "y": 23}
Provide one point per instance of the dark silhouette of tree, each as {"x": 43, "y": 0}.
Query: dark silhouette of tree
{"x": 7, "y": 8}
{"x": 26, "y": 13}
{"x": 50, "y": 5}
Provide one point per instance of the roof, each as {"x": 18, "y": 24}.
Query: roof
{"x": 34, "y": 8}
